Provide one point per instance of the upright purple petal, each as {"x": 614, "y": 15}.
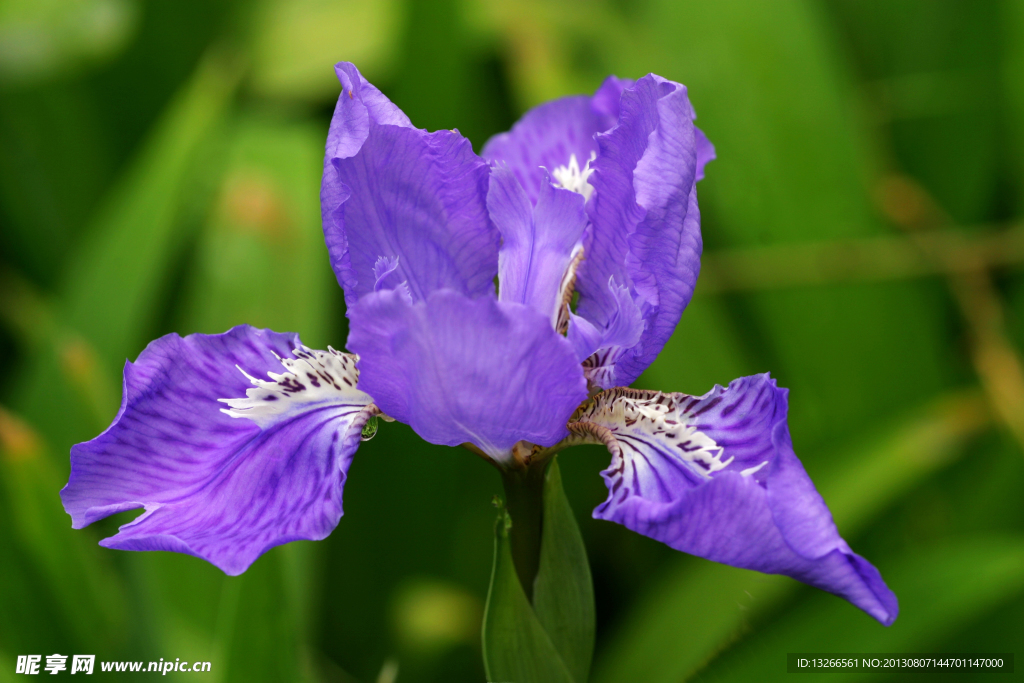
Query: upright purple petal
{"x": 359, "y": 103}
{"x": 538, "y": 243}
{"x": 705, "y": 151}
{"x": 225, "y": 470}
{"x": 645, "y": 156}
{"x": 397, "y": 192}
{"x": 463, "y": 370}
{"x": 664, "y": 262}
{"x": 549, "y": 135}
{"x": 622, "y": 332}
{"x": 646, "y": 226}
{"x": 601, "y": 349}
{"x": 716, "y": 476}
{"x": 607, "y": 100}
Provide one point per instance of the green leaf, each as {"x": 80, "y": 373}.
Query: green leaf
{"x": 515, "y": 646}
{"x": 112, "y": 288}
{"x": 563, "y": 592}
{"x": 259, "y": 639}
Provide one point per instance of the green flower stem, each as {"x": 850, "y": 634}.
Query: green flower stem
{"x": 524, "y": 500}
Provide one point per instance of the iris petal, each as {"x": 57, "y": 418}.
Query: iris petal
{"x": 705, "y": 152}
{"x": 548, "y": 135}
{"x": 716, "y": 476}
{"x": 538, "y": 243}
{"x": 221, "y": 487}
{"x": 462, "y": 370}
{"x": 646, "y": 158}
{"x": 360, "y": 102}
{"x": 600, "y": 350}
{"x": 664, "y": 260}
{"x": 397, "y": 192}
{"x": 646, "y": 226}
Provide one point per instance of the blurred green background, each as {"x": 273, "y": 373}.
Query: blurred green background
{"x": 159, "y": 171}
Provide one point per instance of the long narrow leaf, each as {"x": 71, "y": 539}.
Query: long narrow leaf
{"x": 563, "y": 592}
{"x": 515, "y": 646}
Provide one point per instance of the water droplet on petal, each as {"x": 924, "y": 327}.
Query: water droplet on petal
{"x": 370, "y": 428}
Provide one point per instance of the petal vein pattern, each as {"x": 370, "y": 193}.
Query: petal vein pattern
{"x": 716, "y": 476}
{"x": 213, "y": 485}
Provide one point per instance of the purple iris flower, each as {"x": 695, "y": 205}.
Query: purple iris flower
{"x": 238, "y": 442}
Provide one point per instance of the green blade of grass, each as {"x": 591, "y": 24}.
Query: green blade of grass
{"x": 563, "y": 592}
{"x": 515, "y": 645}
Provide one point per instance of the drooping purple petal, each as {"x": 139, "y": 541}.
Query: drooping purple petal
{"x": 397, "y": 192}
{"x": 646, "y": 226}
{"x": 538, "y": 243}
{"x": 224, "y": 480}
{"x": 716, "y": 476}
{"x": 463, "y": 370}
{"x": 547, "y": 136}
